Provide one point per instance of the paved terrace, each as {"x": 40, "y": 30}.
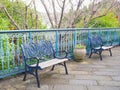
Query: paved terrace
{"x": 90, "y": 75}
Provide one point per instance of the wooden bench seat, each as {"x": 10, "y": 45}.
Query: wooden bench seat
{"x": 51, "y": 62}
{"x": 40, "y": 55}
{"x": 104, "y": 47}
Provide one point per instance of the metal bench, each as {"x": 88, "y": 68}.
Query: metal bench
{"x": 40, "y": 55}
{"x": 97, "y": 46}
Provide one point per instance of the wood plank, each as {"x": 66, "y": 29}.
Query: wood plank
{"x": 50, "y": 62}
{"x": 104, "y": 47}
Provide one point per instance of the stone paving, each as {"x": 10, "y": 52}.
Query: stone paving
{"x": 92, "y": 74}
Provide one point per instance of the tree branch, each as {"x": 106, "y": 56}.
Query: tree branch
{"x": 54, "y": 11}
{"x": 48, "y": 14}
{"x": 10, "y": 17}
{"x": 62, "y": 11}
{"x": 36, "y": 14}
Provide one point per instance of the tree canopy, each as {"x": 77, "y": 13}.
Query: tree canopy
{"x": 16, "y": 15}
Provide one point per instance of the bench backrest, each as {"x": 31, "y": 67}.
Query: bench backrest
{"x": 29, "y": 50}
{"x": 40, "y": 49}
{"x": 45, "y": 48}
{"x": 95, "y": 41}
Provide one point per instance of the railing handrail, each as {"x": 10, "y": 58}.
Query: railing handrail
{"x": 52, "y": 30}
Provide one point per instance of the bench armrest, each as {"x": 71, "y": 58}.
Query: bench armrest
{"x": 32, "y": 60}
{"x": 61, "y": 54}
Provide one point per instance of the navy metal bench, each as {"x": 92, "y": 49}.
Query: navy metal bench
{"x": 97, "y": 46}
{"x": 40, "y": 55}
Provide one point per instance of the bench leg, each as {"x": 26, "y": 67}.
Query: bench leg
{"x": 66, "y": 71}
{"x": 52, "y": 67}
{"x": 90, "y": 55}
{"x": 25, "y": 76}
{"x": 100, "y": 52}
{"x": 110, "y": 52}
{"x": 37, "y": 78}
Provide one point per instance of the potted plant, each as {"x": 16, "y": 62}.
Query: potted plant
{"x": 79, "y": 52}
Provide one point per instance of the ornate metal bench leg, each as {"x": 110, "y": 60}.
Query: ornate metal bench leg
{"x": 66, "y": 71}
{"x": 25, "y": 76}
{"x": 37, "y": 78}
{"x": 52, "y": 67}
{"x": 110, "y": 52}
{"x": 90, "y": 55}
{"x": 100, "y": 52}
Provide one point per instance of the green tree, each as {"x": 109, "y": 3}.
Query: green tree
{"x": 16, "y": 15}
{"x": 110, "y": 20}
{"x": 4, "y": 22}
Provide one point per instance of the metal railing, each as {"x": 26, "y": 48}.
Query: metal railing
{"x": 63, "y": 39}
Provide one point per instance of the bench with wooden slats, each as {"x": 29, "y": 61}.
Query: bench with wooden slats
{"x": 97, "y": 46}
{"x": 40, "y": 55}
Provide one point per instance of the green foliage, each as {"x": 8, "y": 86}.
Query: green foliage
{"x": 110, "y": 20}
{"x": 4, "y": 22}
{"x": 17, "y": 12}
{"x": 78, "y": 46}
{"x": 79, "y": 24}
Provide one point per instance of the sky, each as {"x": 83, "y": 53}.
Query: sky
{"x": 40, "y": 7}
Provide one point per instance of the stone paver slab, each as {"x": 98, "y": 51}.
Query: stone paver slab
{"x": 93, "y": 77}
{"x": 103, "y": 88}
{"x": 83, "y": 82}
{"x": 106, "y": 73}
{"x": 116, "y": 78}
{"x": 69, "y": 87}
{"x": 109, "y": 83}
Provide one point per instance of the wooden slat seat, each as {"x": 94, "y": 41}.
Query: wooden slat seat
{"x": 51, "y": 62}
{"x": 104, "y": 47}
